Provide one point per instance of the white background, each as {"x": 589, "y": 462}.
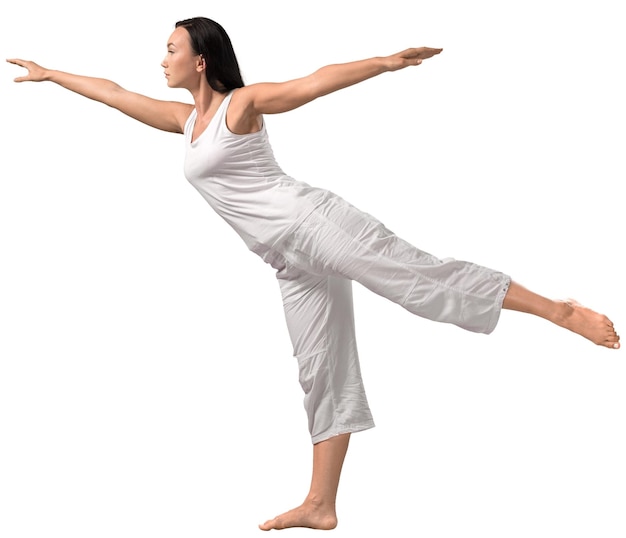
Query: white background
{"x": 146, "y": 380}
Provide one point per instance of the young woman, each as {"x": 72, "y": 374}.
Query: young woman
{"x": 316, "y": 241}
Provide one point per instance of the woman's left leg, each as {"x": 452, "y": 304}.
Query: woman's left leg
{"x": 318, "y": 509}
{"x": 320, "y": 319}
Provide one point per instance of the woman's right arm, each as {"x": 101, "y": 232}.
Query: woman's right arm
{"x": 165, "y": 115}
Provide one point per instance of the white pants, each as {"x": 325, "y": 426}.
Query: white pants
{"x": 336, "y": 244}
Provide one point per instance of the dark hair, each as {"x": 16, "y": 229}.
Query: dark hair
{"x": 210, "y": 40}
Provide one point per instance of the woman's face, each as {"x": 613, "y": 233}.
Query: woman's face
{"x": 183, "y": 67}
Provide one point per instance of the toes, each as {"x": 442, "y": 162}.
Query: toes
{"x": 612, "y": 341}
{"x": 267, "y": 525}
{"x": 271, "y": 524}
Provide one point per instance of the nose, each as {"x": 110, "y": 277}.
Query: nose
{"x": 164, "y": 62}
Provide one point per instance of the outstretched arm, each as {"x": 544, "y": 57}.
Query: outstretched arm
{"x": 272, "y": 98}
{"x": 164, "y": 115}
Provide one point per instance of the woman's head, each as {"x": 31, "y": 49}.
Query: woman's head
{"x": 210, "y": 40}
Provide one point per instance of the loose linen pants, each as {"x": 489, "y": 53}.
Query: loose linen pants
{"x": 336, "y": 244}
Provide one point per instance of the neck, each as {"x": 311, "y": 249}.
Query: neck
{"x": 206, "y": 99}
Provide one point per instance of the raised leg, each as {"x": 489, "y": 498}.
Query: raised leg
{"x": 568, "y": 314}
{"x": 340, "y": 239}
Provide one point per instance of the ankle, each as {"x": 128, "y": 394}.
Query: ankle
{"x": 561, "y": 312}
{"x": 319, "y": 502}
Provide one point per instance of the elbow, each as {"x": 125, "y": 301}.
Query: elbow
{"x": 113, "y": 94}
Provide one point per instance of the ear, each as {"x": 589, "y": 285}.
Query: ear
{"x": 201, "y": 66}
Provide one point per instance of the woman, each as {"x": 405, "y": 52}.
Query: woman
{"x": 317, "y": 242}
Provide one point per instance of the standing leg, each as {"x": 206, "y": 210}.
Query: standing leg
{"x": 318, "y": 509}
{"x": 320, "y": 319}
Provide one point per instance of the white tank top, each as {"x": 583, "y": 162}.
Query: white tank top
{"x": 241, "y": 180}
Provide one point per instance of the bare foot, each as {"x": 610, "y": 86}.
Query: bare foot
{"x": 584, "y": 321}
{"x": 310, "y": 515}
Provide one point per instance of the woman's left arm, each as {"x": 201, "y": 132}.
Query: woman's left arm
{"x": 274, "y": 98}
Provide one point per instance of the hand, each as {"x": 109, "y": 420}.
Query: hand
{"x": 409, "y": 57}
{"x": 36, "y": 73}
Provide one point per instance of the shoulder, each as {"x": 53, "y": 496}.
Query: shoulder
{"x": 183, "y": 112}
{"x": 241, "y": 116}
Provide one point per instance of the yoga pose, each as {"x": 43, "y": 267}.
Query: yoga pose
{"x": 317, "y": 242}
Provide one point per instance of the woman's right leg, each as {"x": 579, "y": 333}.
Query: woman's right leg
{"x": 567, "y": 314}
{"x": 340, "y": 238}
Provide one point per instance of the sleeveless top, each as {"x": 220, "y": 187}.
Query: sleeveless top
{"x": 240, "y": 179}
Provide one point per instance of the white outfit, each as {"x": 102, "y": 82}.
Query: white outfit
{"x": 319, "y": 243}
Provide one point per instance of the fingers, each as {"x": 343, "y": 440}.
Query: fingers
{"x": 415, "y": 56}
{"x": 16, "y": 61}
{"x": 427, "y": 52}
{"x": 19, "y": 62}
{"x": 32, "y": 67}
